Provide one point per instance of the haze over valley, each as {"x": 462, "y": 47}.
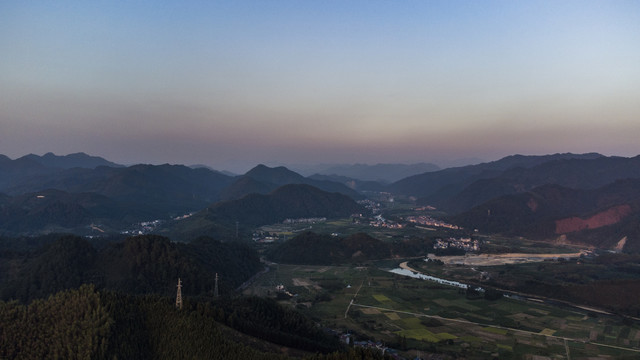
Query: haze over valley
{"x": 320, "y": 180}
{"x": 68, "y": 222}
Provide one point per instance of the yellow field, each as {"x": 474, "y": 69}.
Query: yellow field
{"x": 547, "y": 332}
{"x": 392, "y": 316}
{"x": 381, "y": 298}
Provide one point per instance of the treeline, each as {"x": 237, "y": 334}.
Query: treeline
{"x": 322, "y": 249}
{"x": 137, "y": 265}
{"x": 86, "y": 324}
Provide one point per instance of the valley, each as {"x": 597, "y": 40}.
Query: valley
{"x": 411, "y": 315}
{"x": 483, "y": 261}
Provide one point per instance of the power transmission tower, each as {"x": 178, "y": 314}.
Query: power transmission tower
{"x": 215, "y": 289}
{"x": 179, "y": 295}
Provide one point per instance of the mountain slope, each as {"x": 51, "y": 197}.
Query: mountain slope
{"x": 14, "y": 172}
{"x": 141, "y": 192}
{"x": 600, "y": 217}
{"x": 317, "y": 249}
{"x": 358, "y": 185}
{"x": 137, "y": 265}
{"x": 24, "y": 169}
{"x": 324, "y": 249}
{"x": 571, "y": 173}
{"x": 84, "y": 323}
{"x": 55, "y": 211}
{"x": 448, "y": 182}
{"x": 288, "y": 201}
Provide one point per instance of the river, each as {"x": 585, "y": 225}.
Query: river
{"x": 407, "y": 271}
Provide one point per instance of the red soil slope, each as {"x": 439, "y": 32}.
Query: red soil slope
{"x": 608, "y": 217}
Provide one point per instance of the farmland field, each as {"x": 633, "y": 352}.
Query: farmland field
{"x": 412, "y": 315}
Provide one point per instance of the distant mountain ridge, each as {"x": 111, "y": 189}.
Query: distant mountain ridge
{"x": 358, "y": 185}
{"x": 141, "y": 192}
{"x": 452, "y": 180}
{"x": 69, "y": 161}
{"x": 383, "y": 173}
{"x": 457, "y": 190}
{"x": 263, "y": 179}
{"x": 40, "y": 194}
{"x": 25, "y": 168}
{"x": 40, "y": 198}
{"x": 575, "y": 173}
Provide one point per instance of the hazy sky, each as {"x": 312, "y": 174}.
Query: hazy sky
{"x": 235, "y": 83}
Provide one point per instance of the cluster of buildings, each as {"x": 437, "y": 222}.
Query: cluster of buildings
{"x": 375, "y": 345}
{"x": 381, "y": 222}
{"x": 182, "y": 217}
{"x": 305, "y": 220}
{"x": 425, "y": 208}
{"x": 143, "y": 228}
{"x": 429, "y": 221}
{"x": 264, "y": 237}
{"x": 280, "y": 289}
{"x": 466, "y": 244}
{"x": 370, "y": 205}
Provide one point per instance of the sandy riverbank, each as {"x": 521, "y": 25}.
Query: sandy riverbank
{"x": 501, "y": 259}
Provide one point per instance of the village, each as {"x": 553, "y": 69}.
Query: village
{"x": 429, "y": 221}
{"x": 466, "y": 244}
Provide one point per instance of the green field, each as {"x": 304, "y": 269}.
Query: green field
{"x": 416, "y": 315}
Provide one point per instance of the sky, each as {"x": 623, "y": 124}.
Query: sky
{"x": 231, "y": 84}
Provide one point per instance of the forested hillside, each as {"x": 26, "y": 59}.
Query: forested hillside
{"x": 138, "y": 265}
{"x": 288, "y": 201}
{"x": 574, "y": 173}
{"x": 86, "y": 195}
{"x": 448, "y": 182}
{"x": 83, "y": 323}
{"x": 599, "y": 217}
{"x": 324, "y": 249}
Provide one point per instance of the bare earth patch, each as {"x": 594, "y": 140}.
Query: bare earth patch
{"x": 501, "y": 259}
{"x": 370, "y": 311}
{"x": 306, "y": 283}
{"x": 301, "y": 282}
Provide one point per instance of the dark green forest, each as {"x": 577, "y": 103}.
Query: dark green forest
{"x": 66, "y": 298}
{"x": 84, "y": 323}
{"x": 137, "y": 265}
{"x": 323, "y": 249}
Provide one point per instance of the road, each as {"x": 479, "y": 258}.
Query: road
{"x": 493, "y": 326}
{"x": 353, "y": 299}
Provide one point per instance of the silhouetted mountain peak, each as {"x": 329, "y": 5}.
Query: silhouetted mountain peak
{"x": 74, "y": 160}
{"x": 278, "y": 175}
